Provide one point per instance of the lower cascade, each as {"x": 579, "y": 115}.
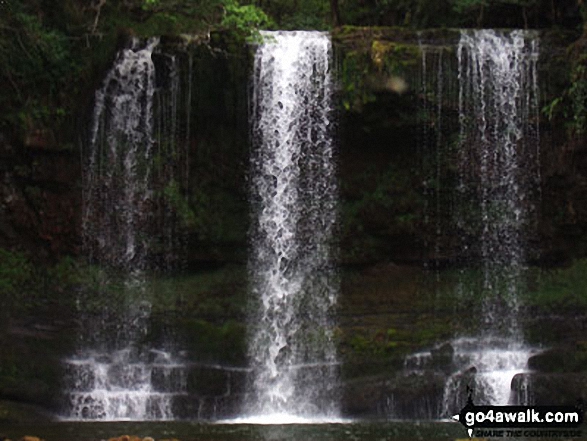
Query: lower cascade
{"x": 115, "y": 386}
{"x": 488, "y": 367}
{"x": 293, "y": 191}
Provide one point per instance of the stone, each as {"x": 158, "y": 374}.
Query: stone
{"x": 552, "y": 389}
{"x": 126, "y": 438}
{"x": 208, "y": 381}
{"x": 558, "y": 359}
{"x": 442, "y": 358}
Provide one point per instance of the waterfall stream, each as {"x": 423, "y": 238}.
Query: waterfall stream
{"x": 499, "y": 190}
{"x": 493, "y": 83}
{"x": 128, "y": 158}
{"x": 294, "y": 194}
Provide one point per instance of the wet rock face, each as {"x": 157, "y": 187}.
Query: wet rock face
{"x": 409, "y": 397}
{"x": 562, "y": 358}
{"x": 39, "y": 197}
{"x": 387, "y": 150}
{"x": 552, "y": 389}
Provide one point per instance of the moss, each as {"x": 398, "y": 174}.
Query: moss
{"x": 560, "y": 289}
{"x": 208, "y": 342}
{"x": 215, "y": 294}
{"x": 374, "y": 67}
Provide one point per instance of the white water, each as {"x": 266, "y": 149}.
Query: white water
{"x": 110, "y": 377}
{"x": 117, "y": 387}
{"x": 498, "y": 105}
{"x": 117, "y": 174}
{"x": 294, "y": 191}
{"x": 488, "y": 366}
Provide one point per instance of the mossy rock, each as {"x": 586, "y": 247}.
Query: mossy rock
{"x": 553, "y": 389}
{"x": 559, "y": 359}
{"x": 216, "y": 343}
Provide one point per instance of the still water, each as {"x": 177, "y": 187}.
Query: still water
{"x": 186, "y": 431}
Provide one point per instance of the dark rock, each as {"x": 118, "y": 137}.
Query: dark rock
{"x": 551, "y": 360}
{"x": 442, "y": 358}
{"x": 362, "y": 397}
{"x": 559, "y": 359}
{"x": 557, "y": 389}
{"x": 415, "y": 396}
{"x": 208, "y": 381}
{"x": 403, "y": 397}
{"x": 168, "y": 379}
{"x": 237, "y": 381}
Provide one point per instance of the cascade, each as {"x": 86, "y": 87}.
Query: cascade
{"x": 132, "y": 139}
{"x": 294, "y": 202}
{"x": 491, "y": 87}
{"x": 498, "y": 192}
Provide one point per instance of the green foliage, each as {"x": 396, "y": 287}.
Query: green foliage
{"x": 392, "y": 197}
{"x": 571, "y": 105}
{"x": 41, "y": 66}
{"x": 298, "y": 14}
{"x": 552, "y": 108}
{"x": 355, "y": 74}
{"x": 379, "y": 65}
{"x": 244, "y": 19}
{"x": 16, "y": 273}
{"x": 453, "y": 13}
{"x": 578, "y": 95}
{"x": 21, "y": 285}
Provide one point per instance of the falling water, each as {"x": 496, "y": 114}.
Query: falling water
{"x": 499, "y": 164}
{"x": 293, "y": 189}
{"x": 436, "y": 112}
{"x": 117, "y": 177}
{"x": 112, "y": 377}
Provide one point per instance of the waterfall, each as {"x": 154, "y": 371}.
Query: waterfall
{"x": 131, "y": 153}
{"x": 294, "y": 202}
{"x": 117, "y": 176}
{"x": 499, "y": 189}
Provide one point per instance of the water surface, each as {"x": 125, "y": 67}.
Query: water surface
{"x": 187, "y": 431}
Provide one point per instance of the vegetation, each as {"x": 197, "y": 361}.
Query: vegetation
{"x": 55, "y": 48}
{"x": 571, "y": 105}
